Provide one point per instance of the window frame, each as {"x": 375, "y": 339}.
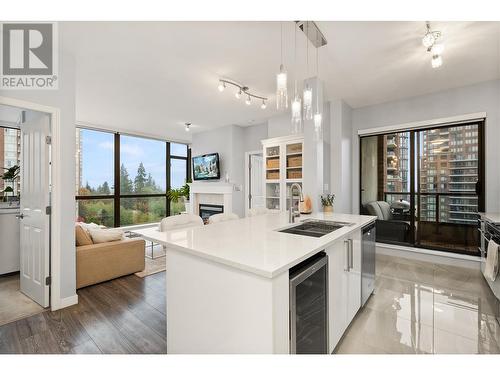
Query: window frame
{"x": 117, "y": 196}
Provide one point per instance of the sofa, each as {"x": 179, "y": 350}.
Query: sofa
{"x": 388, "y": 229}
{"x": 99, "y": 262}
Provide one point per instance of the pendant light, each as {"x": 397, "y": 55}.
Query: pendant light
{"x": 297, "y": 103}
{"x": 307, "y": 94}
{"x": 318, "y": 118}
{"x": 281, "y": 81}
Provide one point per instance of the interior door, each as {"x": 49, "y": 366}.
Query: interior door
{"x": 256, "y": 194}
{"x": 34, "y": 220}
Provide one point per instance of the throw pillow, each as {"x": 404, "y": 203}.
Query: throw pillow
{"x": 82, "y": 237}
{"x": 106, "y": 235}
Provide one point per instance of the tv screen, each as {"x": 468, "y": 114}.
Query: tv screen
{"x": 206, "y": 167}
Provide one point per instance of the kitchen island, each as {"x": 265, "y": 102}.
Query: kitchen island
{"x": 227, "y": 284}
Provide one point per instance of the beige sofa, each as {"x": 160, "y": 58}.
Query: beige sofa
{"x": 96, "y": 263}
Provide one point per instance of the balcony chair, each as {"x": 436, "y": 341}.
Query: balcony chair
{"x": 388, "y": 229}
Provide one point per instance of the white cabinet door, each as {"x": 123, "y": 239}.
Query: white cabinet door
{"x": 354, "y": 277}
{"x": 337, "y": 292}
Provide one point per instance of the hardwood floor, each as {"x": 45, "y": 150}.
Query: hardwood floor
{"x": 126, "y": 316}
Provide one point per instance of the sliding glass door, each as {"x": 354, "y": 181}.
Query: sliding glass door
{"x": 425, "y": 186}
{"x": 449, "y": 187}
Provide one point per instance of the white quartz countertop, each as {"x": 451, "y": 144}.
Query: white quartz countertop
{"x": 9, "y": 211}
{"x": 494, "y": 217}
{"x": 252, "y": 244}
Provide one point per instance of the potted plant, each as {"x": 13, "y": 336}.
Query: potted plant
{"x": 10, "y": 176}
{"x": 327, "y": 202}
{"x": 181, "y": 194}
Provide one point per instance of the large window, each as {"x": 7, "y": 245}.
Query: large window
{"x": 123, "y": 180}
{"x": 10, "y": 151}
{"x": 426, "y": 186}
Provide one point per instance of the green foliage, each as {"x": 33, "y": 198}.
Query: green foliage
{"x": 132, "y": 210}
{"x": 175, "y": 194}
{"x": 126, "y": 184}
{"x": 10, "y": 176}
{"x": 327, "y": 200}
{"x": 140, "y": 179}
{"x": 12, "y": 173}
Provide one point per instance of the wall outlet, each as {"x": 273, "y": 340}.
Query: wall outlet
{"x": 325, "y": 187}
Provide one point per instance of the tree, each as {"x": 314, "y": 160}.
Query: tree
{"x": 140, "y": 179}
{"x": 105, "y": 188}
{"x": 126, "y": 185}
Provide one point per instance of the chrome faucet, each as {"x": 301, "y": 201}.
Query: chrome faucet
{"x": 292, "y": 214}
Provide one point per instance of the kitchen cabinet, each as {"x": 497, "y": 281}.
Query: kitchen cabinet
{"x": 344, "y": 285}
{"x": 283, "y": 166}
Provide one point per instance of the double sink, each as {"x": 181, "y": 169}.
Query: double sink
{"x": 315, "y": 228}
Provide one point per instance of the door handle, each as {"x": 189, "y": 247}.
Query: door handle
{"x": 20, "y": 216}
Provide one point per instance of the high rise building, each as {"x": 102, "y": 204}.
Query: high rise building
{"x": 396, "y": 156}
{"x": 449, "y": 164}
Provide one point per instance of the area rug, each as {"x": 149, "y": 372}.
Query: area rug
{"x": 153, "y": 266}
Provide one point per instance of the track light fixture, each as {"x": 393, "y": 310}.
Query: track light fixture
{"x": 242, "y": 90}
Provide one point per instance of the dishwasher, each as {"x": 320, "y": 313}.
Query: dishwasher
{"x": 367, "y": 262}
{"x": 309, "y": 306}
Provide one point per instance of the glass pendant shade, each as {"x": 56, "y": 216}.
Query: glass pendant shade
{"x": 437, "y": 48}
{"x": 318, "y": 130}
{"x": 308, "y": 95}
{"x": 428, "y": 40}
{"x": 296, "y": 116}
{"x": 281, "y": 89}
{"x": 437, "y": 61}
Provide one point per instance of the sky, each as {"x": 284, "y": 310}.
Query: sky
{"x": 97, "y": 158}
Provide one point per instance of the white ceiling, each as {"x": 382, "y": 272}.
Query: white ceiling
{"x": 151, "y": 77}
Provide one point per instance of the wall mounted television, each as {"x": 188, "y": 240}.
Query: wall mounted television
{"x": 206, "y": 167}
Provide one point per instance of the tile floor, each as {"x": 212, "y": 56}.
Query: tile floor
{"x": 13, "y": 304}
{"x": 420, "y": 307}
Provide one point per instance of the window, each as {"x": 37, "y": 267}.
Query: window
{"x": 179, "y": 169}
{"x": 94, "y": 162}
{"x": 10, "y": 152}
{"x": 142, "y": 166}
{"x": 445, "y": 190}
{"x": 142, "y": 170}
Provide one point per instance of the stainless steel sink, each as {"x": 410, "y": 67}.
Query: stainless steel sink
{"x": 315, "y": 228}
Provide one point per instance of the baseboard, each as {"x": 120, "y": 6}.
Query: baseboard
{"x": 433, "y": 256}
{"x": 65, "y": 302}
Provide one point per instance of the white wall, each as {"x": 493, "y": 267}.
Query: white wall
{"x": 64, "y": 99}
{"x": 482, "y": 97}
{"x": 231, "y": 142}
{"x": 340, "y": 160}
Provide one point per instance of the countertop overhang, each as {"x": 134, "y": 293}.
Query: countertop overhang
{"x": 253, "y": 244}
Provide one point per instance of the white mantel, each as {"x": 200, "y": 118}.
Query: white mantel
{"x": 211, "y": 192}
